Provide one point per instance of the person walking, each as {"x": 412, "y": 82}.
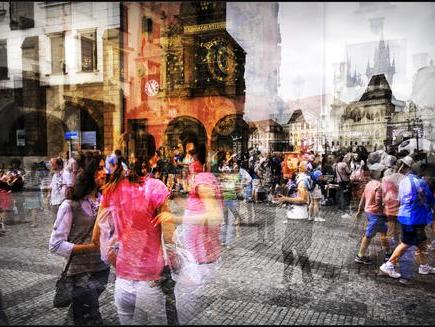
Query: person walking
{"x": 135, "y": 201}
{"x": 198, "y": 240}
{"x": 73, "y": 226}
{"x": 415, "y": 212}
{"x": 390, "y": 199}
{"x": 371, "y": 201}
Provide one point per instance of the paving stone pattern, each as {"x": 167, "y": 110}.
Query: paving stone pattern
{"x": 254, "y": 285}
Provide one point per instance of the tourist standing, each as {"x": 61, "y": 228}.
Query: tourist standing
{"x": 57, "y": 191}
{"x": 342, "y": 174}
{"x": 298, "y": 234}
{"x": 315, "y": 196}
{"x": 73, "y": 227}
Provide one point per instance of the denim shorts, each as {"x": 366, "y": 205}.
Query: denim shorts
{"x": 413, "y": 234}
{"x": 376, "y": 224}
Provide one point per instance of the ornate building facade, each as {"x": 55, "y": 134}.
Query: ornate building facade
{"x": 184, "y": 73}
{"x": 65, "y": 80}
{"x": 268, "y": 136}
{"x": 370, "y": 120}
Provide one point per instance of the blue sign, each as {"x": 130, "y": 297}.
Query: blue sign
{"x": 72, "y": 135}
{"x": 89, "y": 140}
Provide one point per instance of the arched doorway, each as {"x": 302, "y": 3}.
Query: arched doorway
{"x": 24, "y": 134}
{"x": 183, "y": 126}
{"x": 231, "y": 133}
{"x": 91, "y": 126}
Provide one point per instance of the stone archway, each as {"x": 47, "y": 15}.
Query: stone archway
{"x": 182, "y": 126}
{"x": 231, "y": 133}
{"x": 86, "y": 116}
{"x": 24, "y": 132}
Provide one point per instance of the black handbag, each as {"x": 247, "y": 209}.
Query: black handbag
{"x": 64, "y": 288}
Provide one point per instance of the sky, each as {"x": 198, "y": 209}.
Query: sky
{"x": 315, "y": 35}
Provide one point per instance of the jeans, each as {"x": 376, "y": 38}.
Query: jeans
{"x": 247, "y": 192}
{"x": 343, "y": 195}
{"x": 87, "y": 288}
{"x": 138, "y": 303}
{"x": 228, "y": 227}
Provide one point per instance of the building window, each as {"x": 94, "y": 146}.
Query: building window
{"x": 2, "y": 9}
{"x": 89, "y": 51}
{"x": 22, "y": 15}
{"x": 57, "y": 54}
{"x": 147, "y": 25}
{"x": 3, "y": 60}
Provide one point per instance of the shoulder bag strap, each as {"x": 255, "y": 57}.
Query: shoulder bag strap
{"x": 67, "y": 265}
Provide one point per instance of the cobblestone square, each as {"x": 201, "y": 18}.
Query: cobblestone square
{"x": 250, "y": 287}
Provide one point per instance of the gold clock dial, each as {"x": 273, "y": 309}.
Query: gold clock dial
{"x": 221, "y": 59}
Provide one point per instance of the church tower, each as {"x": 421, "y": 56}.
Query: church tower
{"x": 382, "y": 63}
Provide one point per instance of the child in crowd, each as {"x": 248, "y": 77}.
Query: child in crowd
{"x": 372, "y": 201}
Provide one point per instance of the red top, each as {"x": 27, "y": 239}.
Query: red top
{"x": 390, "y": 193}
{"x": 373, "y": 197}
{"x": 202, "y": 241}
{"x": 140, "y": 255}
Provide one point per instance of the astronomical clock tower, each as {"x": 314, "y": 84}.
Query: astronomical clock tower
{"x": 184, "y": 74}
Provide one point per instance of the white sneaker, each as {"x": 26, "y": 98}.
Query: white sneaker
{"x": 388, "y": 269}
{"x": 426, "y": 270}
{"x": 320, "y": 219}
{"x": 346, "y": 216}
{"x": 310, "y": 218}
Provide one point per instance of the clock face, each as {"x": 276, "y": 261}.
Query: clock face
{"x": 151, "y": 87}
{"x": 220, "y": 59}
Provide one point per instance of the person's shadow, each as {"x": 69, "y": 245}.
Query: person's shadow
{"x": 297, "y": 240}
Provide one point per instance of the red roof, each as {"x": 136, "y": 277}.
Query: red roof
{"x": 263, "y": 124}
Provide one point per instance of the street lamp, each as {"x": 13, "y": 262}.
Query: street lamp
{"x": 417, "y": 123}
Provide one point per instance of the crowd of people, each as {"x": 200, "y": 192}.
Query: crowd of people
{"x": 111, "y": 212}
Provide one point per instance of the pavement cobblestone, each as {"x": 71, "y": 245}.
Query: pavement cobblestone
{"x": 249, "y": 287}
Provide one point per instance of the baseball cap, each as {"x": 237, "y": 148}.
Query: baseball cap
{"x": 316, "y": 174}
{"x": 408, "y": 161}
{"x": 110, "y": 160}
